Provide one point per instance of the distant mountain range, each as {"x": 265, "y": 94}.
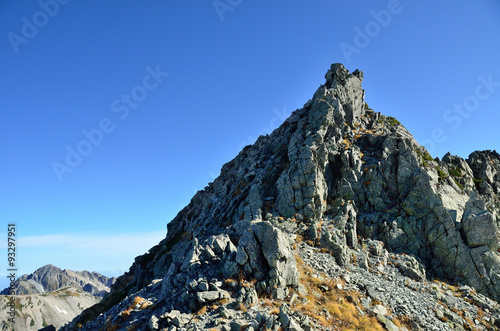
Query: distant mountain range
{"x": 51, "y": 278}
{"x": 52, "y": 296}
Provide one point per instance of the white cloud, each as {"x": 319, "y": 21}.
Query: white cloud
{"x": 109, "y": 254}
{"x": 117, "y": 243}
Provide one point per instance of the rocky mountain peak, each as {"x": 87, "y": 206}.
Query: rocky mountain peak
{"x": 347, "y": 88}
{"x": 51, "y": 278}
{"x": 336, "y": 178}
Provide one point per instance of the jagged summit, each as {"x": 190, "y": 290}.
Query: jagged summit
{"x": 335, "y": 177}
{"x": 52, "y": 296}
{"x": 347, "y": 88}
{"x": 51, "y": 278}
{"x": 339, "y": 101}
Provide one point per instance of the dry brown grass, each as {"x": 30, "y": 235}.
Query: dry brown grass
{"x": 136, "y": 301}
{"x": 229, "y": 281}
{"x": 222, "y": 301}
{"x": 241, "y": 307}
{"x": 275, "y": 311}
{"x": 343, "y": 314}
{"x": 480, "y": 313}
{"x": 249, "y": 284}
{"x": 346, "y": 143}
{"x": 202, "y": 311}
{"x": 397, "y": 323}
{"x": 298, "y": 240}
{"x": 267, "y": 303}
{"x": 133, "y": 304}
{"x": 113, "y": 327}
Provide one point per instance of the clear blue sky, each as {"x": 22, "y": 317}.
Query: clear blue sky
{"x": 234, "y": 71}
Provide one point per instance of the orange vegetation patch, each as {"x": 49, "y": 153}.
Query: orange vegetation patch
{"x": 137, "y": 300}
{"x": 341, "y": 313}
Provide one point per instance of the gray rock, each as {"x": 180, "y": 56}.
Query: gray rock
{"x": 410, "y": 267}
{"x": 203, "y": 286}
{"x": 363, "y": 261}
{"x": 481, "y": 230}
{"x": 241, "y": 256}
{"x": 230, "y": 269}
{"x": 221, "y": 243}
{"x": 180, "y": 320}
{"x": 250, "y": 298}
{"x": 210, "y": 296}
{"x": 294, "y": 326}
{"x": 389, "y": 325}
{"x": 276, "y": 250}
{"x": 153, "y": 323}
{"x": 238, "y": 325}
{"x": 376, "y": 247}
{"x": 378, "y": 310}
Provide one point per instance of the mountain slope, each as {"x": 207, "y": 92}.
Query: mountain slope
{"x": 339, "y": 179}
{"x": 56, "y": 308}
{"x": 52, "y": 296}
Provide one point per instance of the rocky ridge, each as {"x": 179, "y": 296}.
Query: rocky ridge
{"x": 339, "y": 209}
{"x": 52, "y": 296}
{"x": 51, "y": 278}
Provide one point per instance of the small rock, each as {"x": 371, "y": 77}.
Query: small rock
{"x": 223, "y": 312}
{"x": 193, "y": 284}
{"x": 203, "y": 286}
{"x": 376, "y": 247}
{"x": 389, "y": 325}
{"x": 210, "y": 296}
{"x": 153, "y": 323}
{"x": 238, "y": 325}
{"x": 378, "y": 310}
{"x": 294, "y": 326}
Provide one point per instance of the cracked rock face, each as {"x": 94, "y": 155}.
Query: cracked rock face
{"x": 333, "y": 172}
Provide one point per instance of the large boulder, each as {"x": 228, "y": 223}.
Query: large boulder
{"x": 481, "y": 230}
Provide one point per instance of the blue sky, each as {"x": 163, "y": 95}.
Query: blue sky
{"x": 155, "y": 96}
